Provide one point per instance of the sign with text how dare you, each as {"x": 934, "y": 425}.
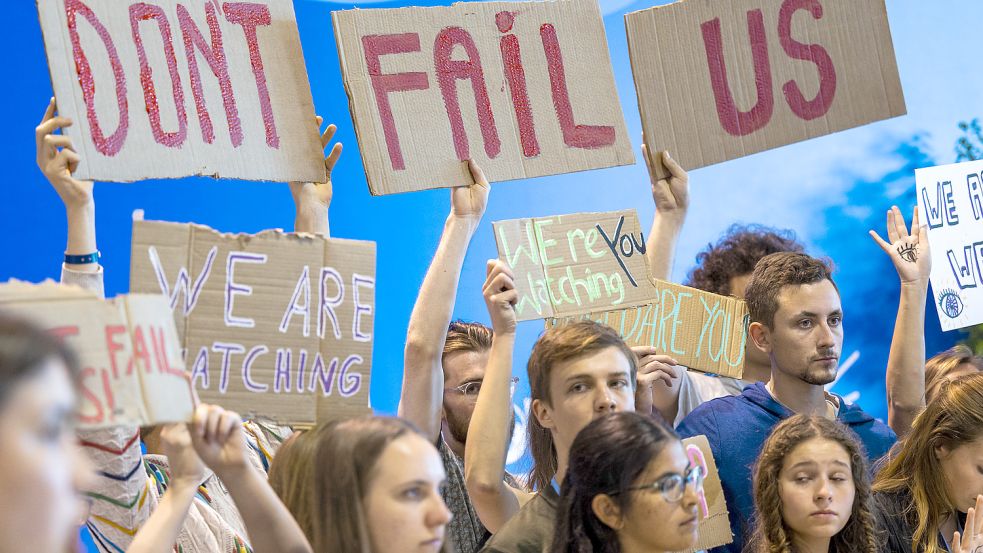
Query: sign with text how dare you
{"x": 593, "y": 266}
{"x": 273, "y": 324}
{"x": 721, "y": 80}
{"x": 950, "y": 202}
{"x": 168, "y": 88}
{"x": 129, "y": 355}
{"x": 526, "y": 89}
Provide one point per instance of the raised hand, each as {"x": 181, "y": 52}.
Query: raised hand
{"x": 972, "y": 540}
{"x": 469, "y": 202}
{"x": 909, "y": 251}
{"x": 57, "y": 159}
{"x": 500, "y": 296}
{"x": 652, "y": 367}
{"x": 186, "y": 466}
{"x": 671, "y": 195}
{"x": 217, "y": 437}
{"x": 312, "y": 199}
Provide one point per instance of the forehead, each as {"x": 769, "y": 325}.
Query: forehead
{"x": 819, "y": 297}
{"x": 460, "y": 366}
{"x": 672, "y": 458}
{"x": 817, "y": 450}
{"x": 406, "y": 459}
{"x": 597, "y": 364}
{"x": 47, "y": 387}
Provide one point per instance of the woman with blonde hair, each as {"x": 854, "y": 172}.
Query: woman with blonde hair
{"x": 930, "y": 486}
{"x": 374, "y": 487}
{"x": 947, "y": 366}
{"x": 811, "y": 491}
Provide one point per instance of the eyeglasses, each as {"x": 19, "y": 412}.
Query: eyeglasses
{"x": 470, "y": 389}
{"x": 673, "y": 486}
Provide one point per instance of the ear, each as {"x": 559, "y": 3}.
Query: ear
{"x": 607, "y": 511}
{"x": 543, "y": 414}
{"x": 942, "y": 451}
{"x": 760, "y": 336}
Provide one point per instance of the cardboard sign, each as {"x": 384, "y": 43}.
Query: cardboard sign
{"x": 131, "y": 367}
{"x": 166, "y": 88}
{"x": 273, "y": 324}
{"x": 722, "y": 80}
{"x": 526, "y": 89}
{"x": 714, "y": 527}
{"x": 950, "y": 202}
{"x": 592, "y": 266}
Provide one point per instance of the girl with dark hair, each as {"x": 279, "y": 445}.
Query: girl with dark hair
{"x": 931, "y": 484}
{"x": 811, "y": 491}
{"x": 629, "y": 488}
{"x": 381, "y": 494}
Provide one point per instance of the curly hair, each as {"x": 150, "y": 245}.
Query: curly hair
{"x": 736, "y": 254}
{"x": 771, "y": 534}
{"x": 596, "y": 469}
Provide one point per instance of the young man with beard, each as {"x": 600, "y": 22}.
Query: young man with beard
{"x": 797, "y": 320}
{"x": 444, "y": 362}
{"x": 576, "y": 374}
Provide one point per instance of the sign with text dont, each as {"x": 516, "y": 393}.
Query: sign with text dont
{"x": 526, "y": 89}
{"x": 273, "y": 324}
{"x": 128, "y": 349}
{"x": 721, "y": 80}
{"x": 593, "y": 266}
{"x": 950, "y": 202}
{"x": 166, "y": 88}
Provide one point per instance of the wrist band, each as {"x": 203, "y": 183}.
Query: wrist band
{"x": 82, "y": 259}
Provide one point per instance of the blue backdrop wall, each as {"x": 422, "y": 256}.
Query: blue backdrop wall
{"x": 829, "y": 190}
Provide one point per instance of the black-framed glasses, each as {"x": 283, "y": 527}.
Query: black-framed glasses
{"x": 673, "y": 486}
{"x": 470, "y": 389}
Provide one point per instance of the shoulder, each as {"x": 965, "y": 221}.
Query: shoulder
{"x": 705, "y": 416}
{"x": 530, "y": 530}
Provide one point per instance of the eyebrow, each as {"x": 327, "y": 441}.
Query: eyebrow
{"x": 671, "y": 472}
{"x": 811, "y": 314}
{"x": 586, "y": 376}
{"x": 813, "y": 463}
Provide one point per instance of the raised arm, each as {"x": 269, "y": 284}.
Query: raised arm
{"x": 160, "y": 532}
{"x": 423, "y": 375}
{"x": 219, "y": 440}
{"x": 313, "y": 199}
{"x": 489, "y": 432}
{"x": 671, "y": 203}
{"x": 909, "y": 251}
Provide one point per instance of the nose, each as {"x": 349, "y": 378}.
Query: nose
{"x": 604, "y": 400}
{"x": 824, "y": 493}
{"x": 691, "y": 496}
{"x": 827, "y": 337}
{"x": 439, "y": 514}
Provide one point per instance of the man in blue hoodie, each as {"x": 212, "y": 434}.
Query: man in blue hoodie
{"x": 796, "y": 319}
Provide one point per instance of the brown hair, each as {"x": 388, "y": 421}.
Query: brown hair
{"x": 771, "y": 534}
{"x": 937, "y": 368}
{"x": 558, "y": 345}
{"x": 346, "y": 454}
{"x": 952, "y": 419}
{"x": 776, "y": 271}
{"x": 291, "y": 474}
{"x": 465, "y": 336}
{"x": 736, "y": 254}
{"x": 24, "y": 348}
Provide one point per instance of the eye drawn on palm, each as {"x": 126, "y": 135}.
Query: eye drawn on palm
{"x": 909, "y": 251}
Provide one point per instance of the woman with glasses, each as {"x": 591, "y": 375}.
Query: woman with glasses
{"x": 811, "y": 491}
{"x": 629, "y": 488}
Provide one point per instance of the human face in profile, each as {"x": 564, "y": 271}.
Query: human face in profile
{"x": 402, "y": 504}
{"x": 42, "y": 469}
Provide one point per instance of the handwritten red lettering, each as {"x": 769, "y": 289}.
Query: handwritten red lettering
{"x": 250, "y": 16}
{"x": 85, "y": 375}
{"x": 515, "y": 75}
{"x": 735, "y": 122}
{"x": 214, "y": 56}
{"x": 111, "y": 145}
{"x": 113, "y": 347}
{"x": 376, "y": 46}
{"x": 143, "y": 12}
{"x": 448, "y": 73}
{"x": 818, "y": 106}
